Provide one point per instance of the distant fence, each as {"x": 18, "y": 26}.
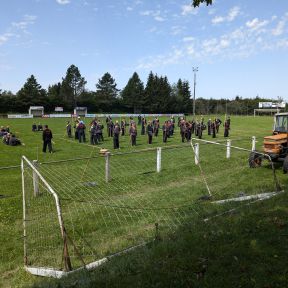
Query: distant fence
{"x": 69, "y": 115}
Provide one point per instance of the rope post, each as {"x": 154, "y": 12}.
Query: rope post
{"x": 158, "y": 168}
{"x": 228, "y": 151}
{"x": 35, "y": 179}
{"x": 196, "y": 149}
{"x": 253, "y": 143}
{"x": 107, "y": 167}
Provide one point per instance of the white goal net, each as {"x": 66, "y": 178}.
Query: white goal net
{"x": 79, "y": 211}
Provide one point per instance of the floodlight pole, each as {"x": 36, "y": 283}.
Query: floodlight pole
{"x": 195, "y": 69}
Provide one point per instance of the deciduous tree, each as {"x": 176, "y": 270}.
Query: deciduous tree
{"x": 196, "y": 3}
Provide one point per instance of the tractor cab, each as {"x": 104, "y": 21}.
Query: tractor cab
{"x": 280, "y": 123}
{"x": 274, "y": 145}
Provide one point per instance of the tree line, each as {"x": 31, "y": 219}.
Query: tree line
{"x": 157, "y": 96}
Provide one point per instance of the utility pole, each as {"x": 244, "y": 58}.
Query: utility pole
{"x": 195, "y": 69}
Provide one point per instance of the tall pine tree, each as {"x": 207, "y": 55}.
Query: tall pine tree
{"x": 31, "y": 94}
{"x": 133, "y": 94}
{"x": 72, "y": 86}
{"x": 106, "y": 92}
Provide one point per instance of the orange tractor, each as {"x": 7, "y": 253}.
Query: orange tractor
{"x": 276, "y": 145}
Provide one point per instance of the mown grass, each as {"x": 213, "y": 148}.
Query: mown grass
{"x": 247, "y": 248}
{"x": 225, "y": 178}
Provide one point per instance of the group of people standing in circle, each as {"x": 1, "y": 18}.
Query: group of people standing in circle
{"x": 150, "y": 128}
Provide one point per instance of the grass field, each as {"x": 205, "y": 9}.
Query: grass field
{"x": 130, "y": 174}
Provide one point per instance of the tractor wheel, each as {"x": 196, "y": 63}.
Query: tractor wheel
{"x": 255, "y": 160}
{"x": 285, "y": 165}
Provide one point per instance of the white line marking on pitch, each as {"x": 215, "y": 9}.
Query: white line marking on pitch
{"x": 71, "y": 141}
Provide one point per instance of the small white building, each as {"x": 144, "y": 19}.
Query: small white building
{"x": 36, "y": 111}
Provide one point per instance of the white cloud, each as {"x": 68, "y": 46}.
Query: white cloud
{"x": 211, "y": 11}
{"x": 232, "y": 14}
{"x": 279, "y": 30}
{"x": 146, "y": 13}
{"x": 189, "y": 9}
{"x": 159, "y": 18}
{"x": 161, "y": 60}
{"x": 155, "y": 14}
{"x": 5, "y": 37}
{"x": 177, "y": 30}
{"x": 63, "y": 2}
{"x": 17, "y": 29}
{"x": 27, "y": 20}
{"x": 217, "y": 20}
{"x": 283, "y": 43}
{"x": 129, "y": 8}
{"x": 253, "y": 37}
{"x": 256, "y": 24}
{"x": 188, "y": 39}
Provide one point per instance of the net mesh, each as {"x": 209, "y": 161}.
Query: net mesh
{"x": 108, "y": 210}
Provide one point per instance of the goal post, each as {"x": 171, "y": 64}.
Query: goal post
{"x": 33, "y": 217}
{"x": 78, "y": 212}
{"x": 36, "y": 111}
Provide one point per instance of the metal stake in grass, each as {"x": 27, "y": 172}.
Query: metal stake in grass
{"x": 157, "y": 236}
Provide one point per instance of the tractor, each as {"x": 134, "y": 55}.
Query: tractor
{"x": 275, "y": 146}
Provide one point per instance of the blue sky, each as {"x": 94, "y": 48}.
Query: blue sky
{"x": 239, "y": 46}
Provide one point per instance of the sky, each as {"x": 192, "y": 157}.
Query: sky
{"x": 240, "y": 47}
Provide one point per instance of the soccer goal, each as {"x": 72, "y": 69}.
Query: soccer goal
{"x": 80, "y": 212}
{"x": 36, "y": 111}
{"x": 80, "y": 111}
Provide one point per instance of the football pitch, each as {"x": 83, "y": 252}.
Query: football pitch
{"x": 135, "y": 196}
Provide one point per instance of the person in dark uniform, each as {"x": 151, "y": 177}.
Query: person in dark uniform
{"x": 183, "y": 130}
{"x": 40, "y": 127}
{"x": 189, "y": 130}
{"x": 209, "y": 123}
{"x": 116, "y": 132}
{"x": 193, "y": 127}
{"x": 34, "y": 127}
{"x": 93, "y": 134}
{"x": 143, "y": 125}
{"x": 218, "y": 123}
{"x": 150, "y": 132}
{"x": 100, "y": 131}
{"x": 133, "y": 134}
{"x": 110, "y": 128}
{"x": 229, "y": 121}
{"x": 214, "y": 128}
{"x": 156, "y": 127}
{"x": 226, "y": 127}
{"x": 47, "y": 139}
{"x": 123, "y": 127}
{"x": 81, "y": 132}
{"x": 76, "y": 123}
{"x": 13, "y": 141}
{"x": 196, "y": 127}
{"x": 199, "y": 129}
{"x": 164, "y": 129}
{"x": 108, "y": 120}
{"x": 69, "y": 129}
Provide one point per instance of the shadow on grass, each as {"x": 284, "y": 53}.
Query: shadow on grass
{"x": 244, "y": 249}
